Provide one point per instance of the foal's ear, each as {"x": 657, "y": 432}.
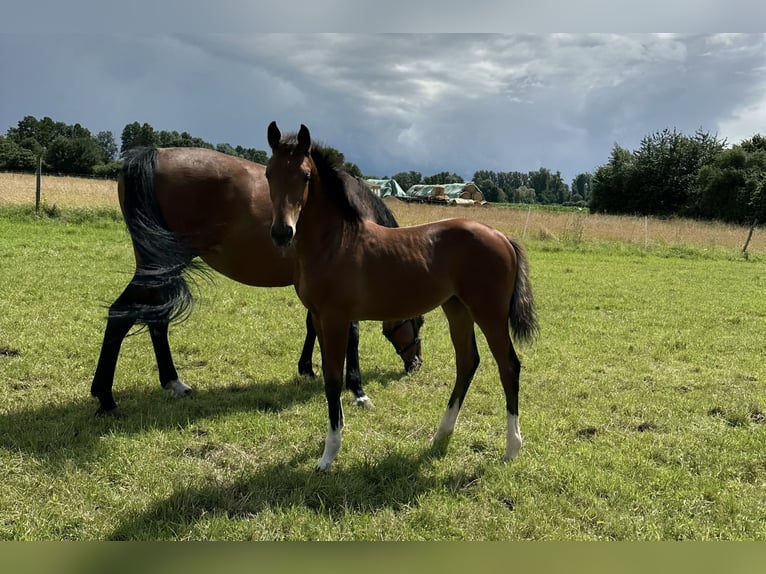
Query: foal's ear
{"x": 274, "y": 135}
{"x": 304, "y": 140}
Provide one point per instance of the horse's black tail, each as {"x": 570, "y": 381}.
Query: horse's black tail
{"x": 522, "y": 315}
{"x": 160, "y": 281}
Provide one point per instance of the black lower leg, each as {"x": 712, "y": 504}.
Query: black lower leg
{"x": 353, "y": 374}
{"x": 103, "y": 379}
{"x": 165, "y": 365}
{"x": 464, "y": 377}
{"x": 512, "y": 393}
{"x": 304, "y": 363}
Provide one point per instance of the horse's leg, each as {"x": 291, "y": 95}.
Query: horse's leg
{"x": 117, "y": 328}
{"x": 509, "y": 367}
{"x": 333, "y": 342}
{"x": 304, "y": 363}
{"x": 168, "y": 374}
{"x": 353, "y": 374}
{"x": 466, "y": 362}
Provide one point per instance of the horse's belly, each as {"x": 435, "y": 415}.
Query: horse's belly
{"x": 252, "y": 269}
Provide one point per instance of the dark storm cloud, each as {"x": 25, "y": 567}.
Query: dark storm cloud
{"x": 395, "y": 102}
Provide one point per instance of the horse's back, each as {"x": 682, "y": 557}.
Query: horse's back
{"x": 219, "y": 206}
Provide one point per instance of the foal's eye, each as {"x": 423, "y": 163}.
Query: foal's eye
{"x": 307, "y": 177}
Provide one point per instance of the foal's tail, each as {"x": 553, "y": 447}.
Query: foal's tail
{"x": 163, "y": 261}
{"x": 522, "y": 314}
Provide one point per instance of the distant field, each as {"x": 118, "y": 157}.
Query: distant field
{"x": 19, "y": 189}
{"x": 69, "y": 192}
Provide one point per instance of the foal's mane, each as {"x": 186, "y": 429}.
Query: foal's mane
{"x": 345, "y": 190}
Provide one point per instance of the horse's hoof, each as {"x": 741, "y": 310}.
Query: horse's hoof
{"x": 363, "y": 402}
{"x": 111, "y": 413}
{"x": 306, "y": 371}
{"x": 178, "y": 389}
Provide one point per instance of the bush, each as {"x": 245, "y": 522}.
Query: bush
{"x": 13, "y": 157}
{"x": 108, "y": 170}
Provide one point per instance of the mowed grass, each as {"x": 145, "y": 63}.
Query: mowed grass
{"x": 642, "y": 404}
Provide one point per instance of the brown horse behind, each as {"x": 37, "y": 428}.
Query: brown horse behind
{"x": 472, "y": 271}
{"x": 183, "y": 203}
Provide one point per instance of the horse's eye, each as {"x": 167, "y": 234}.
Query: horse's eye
{"x": 307, "y": 176}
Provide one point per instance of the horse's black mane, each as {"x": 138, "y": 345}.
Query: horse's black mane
{"x": 350, "y": 194}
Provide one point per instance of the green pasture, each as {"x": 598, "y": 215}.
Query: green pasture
{"x": 642, "y": 408}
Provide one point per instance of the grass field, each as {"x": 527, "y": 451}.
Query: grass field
{"x": 642, "y": 403}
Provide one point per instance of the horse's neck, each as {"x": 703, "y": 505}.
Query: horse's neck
{"x": 321, "y": 225}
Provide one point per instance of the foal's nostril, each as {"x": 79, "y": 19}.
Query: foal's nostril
{"x": 281, "y": 235}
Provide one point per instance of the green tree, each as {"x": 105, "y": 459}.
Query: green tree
{"x": 41, "y": 132}
{"x": 523, "y": 194}
{"x": 609, "y": 191}
{"x": 73, "y": 155}
{"x": 107, "y": 145}
{"x": 136, "y": 135}
{"x": 13, "y": 157}
{"x": 487, "y": 182}
{"x": 406, "y": 179}
{"x": 581, "y": 187}
{"x": 252, "y": 154}
{"x": 549, "y": 187}
{"x": 733, "y": 186}
{"x": 755, "y": 143}
{"x": 442, "y": 177}
{"x": 164, "y": 138}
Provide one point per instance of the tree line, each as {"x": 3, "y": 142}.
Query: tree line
{"x": 669, "y": 174}
{"x": 73, "y": 150}
{"x": 697, "y": 176}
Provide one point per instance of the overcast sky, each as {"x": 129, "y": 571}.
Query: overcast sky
{"x": 397, "y": 102}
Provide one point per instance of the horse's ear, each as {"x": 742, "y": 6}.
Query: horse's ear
{"x": 274, "y": 135}
{"x": 304, "y": 140}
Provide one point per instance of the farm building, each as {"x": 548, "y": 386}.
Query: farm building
{"x": 447, "y": 193}
{"x": 385, "y": 187}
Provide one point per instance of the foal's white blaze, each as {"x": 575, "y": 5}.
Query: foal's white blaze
{"x": 513, "y": 438}
{"x": 331, "y": 448}
{"x": 447, "y": 424}
{"x": 177, "y": 388}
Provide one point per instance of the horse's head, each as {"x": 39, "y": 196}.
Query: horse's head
{"x": 288, "y": 173}
{"x": 405, "y": 337}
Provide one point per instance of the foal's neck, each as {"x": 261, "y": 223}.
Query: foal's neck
{"x": 321, "y": 226}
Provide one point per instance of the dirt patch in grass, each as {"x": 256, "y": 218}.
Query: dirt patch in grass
{"x": 8, "y": 352}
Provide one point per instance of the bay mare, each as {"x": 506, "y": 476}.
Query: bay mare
{"x": 184, "y": 203}
{"x": 472, "y": 271}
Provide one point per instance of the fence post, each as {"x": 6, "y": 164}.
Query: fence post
{"x": 37, "y": 189}
{"x": 646, "y": 231}
{"x": 524, "y": 233}
{"x": 749, "y": 237}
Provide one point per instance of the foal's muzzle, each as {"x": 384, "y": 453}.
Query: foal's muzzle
{"x": 281, "y": 234}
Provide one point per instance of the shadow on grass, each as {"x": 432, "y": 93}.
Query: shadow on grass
{"x": 394, "y": 482}
{"x": 70, "y": 431}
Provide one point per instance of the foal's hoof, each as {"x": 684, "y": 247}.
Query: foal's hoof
{"x": 439, "y": 444}
{"x": 363, "y": 402}
{"x": 178, "y": 389}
